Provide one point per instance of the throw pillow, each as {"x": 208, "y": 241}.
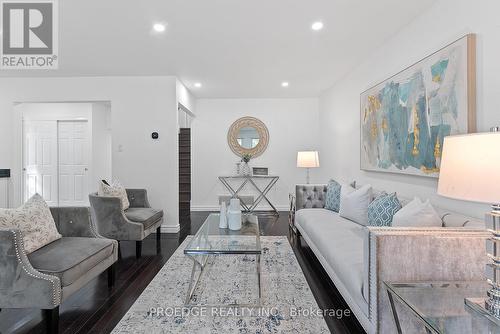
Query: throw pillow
{"x": 417, "y": 214}
{"x": 354, "y": 203}
{"x": 382, "y": 210}
{"x": 115, "y": 190}
{"x": 34, "y": 220}
{"x": 332, "y": 201}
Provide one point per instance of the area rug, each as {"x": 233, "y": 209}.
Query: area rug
{"x": 288, "y": 305}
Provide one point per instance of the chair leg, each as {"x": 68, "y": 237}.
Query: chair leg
{"x": 111, "y": 275}
{"x": 119, "y": 251}
{"x": 138, "y": 249}
{"x": 158, "y": 240}
{"x": 52, "y": 320}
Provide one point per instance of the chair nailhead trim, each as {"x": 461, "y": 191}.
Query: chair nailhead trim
{"x": 56, "y": 295}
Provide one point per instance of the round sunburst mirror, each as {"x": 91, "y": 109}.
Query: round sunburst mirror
{"x": 248, "y": 135}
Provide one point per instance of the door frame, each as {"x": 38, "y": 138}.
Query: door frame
{"x": 17, "y": 166}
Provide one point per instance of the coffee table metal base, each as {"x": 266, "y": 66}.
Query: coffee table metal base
{"x": 195, "y": 279}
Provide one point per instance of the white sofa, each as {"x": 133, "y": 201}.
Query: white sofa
{"x": 358, "y": 258}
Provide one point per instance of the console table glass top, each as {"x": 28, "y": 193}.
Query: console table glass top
{"x": 440, "y": 306}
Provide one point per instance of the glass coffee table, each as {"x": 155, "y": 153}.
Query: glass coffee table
{"x": 440, "y": 306}
{"x": 211, "y": 241}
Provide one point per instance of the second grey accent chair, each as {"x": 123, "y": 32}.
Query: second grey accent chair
{"x": 46, "y": 277}
{"x": 133, "y": 224}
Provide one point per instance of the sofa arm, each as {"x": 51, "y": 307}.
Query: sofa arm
{"x": 110, "y": 220}
{"x": 74, "y": 222}
{"x": 310, "y": 196}
{"x": 138, "y": 198}
{"x": 409, "y": 254}
{"x": 21, "y": 286}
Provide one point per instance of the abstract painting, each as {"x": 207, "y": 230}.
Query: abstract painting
{"x": 405, "y": 118}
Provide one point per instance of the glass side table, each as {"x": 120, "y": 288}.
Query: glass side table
{"x": 440, "y": 306}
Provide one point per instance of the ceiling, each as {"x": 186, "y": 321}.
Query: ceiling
{"x": 235, "y": 48}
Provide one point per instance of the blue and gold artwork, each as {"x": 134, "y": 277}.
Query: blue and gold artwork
{"x": 405, "y": 118}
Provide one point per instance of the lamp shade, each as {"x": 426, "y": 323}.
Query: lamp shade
{"x": 470, "y": 168}
{"x": 308, "y": 159}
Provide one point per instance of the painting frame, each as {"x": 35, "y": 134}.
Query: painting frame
{"x": 469, "y": 105}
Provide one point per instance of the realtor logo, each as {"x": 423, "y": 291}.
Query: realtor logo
{"x": 29, "y": 39}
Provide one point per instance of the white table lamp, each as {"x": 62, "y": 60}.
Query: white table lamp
{"x": 470, "y": 171}
{"x": 308, "y": 159}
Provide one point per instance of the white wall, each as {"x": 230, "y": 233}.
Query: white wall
{"x": 54, "y": 111}
{"x": 446, "y": 21}
{"x": 293, "y": 126}
{"x": 184, "y": 96}
{"x": 140, "y": 105}
{"x": 101, "y": 144}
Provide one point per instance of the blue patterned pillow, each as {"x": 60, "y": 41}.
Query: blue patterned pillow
{"x": 382, "y": 209}
{"x": 332, "y": 200}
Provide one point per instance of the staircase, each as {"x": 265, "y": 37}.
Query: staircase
{"x": 184, "y": 173}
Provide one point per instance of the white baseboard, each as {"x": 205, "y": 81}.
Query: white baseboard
{"x": 170, "y": 229}
{"x": 217, "y": 208}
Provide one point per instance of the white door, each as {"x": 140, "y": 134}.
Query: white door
{"x": 40, "y": 160}
{"x": 73, "y": 163}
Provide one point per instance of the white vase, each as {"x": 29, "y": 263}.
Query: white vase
{"x": 234, "y": 215}
{"x": 223, "y": 216}
{"x": 234, "y": 204}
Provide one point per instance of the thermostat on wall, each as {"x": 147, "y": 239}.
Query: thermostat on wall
{"x": 154, "y": 135}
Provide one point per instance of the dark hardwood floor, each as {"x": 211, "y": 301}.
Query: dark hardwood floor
{"x": 96, "y": 309}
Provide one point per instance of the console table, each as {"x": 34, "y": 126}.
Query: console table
{"x": 250, "y": 179}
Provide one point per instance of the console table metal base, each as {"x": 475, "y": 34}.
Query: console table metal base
{"x": 251, "y": 180}
{"x": 195, "y": 279}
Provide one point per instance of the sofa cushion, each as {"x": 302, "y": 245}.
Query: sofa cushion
{"x": 354, "y": 204}
{"x": 341, "y": 244}
{"x": 70, "y": 258}
{"x": 417, "y": 214}
{"x": 332, "y": 200}
{"x": 382, "y": 210}
{"x": 146, "y": 216}
{"x": 115, "y": 190}
{"x": 34, "y": 220}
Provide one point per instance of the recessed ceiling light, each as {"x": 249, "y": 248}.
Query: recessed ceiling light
{"x": 284, "y": 84}
{"x": 317, "y": 26}
{"x": 159, "y": 27}
{"x": 197, "y": 84}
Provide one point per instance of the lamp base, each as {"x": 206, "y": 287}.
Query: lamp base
{"x": 480, "y": 306}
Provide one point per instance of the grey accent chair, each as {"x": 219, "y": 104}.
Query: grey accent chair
{"x": 133, "y": 224}
{"x": 46, "y": 277}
